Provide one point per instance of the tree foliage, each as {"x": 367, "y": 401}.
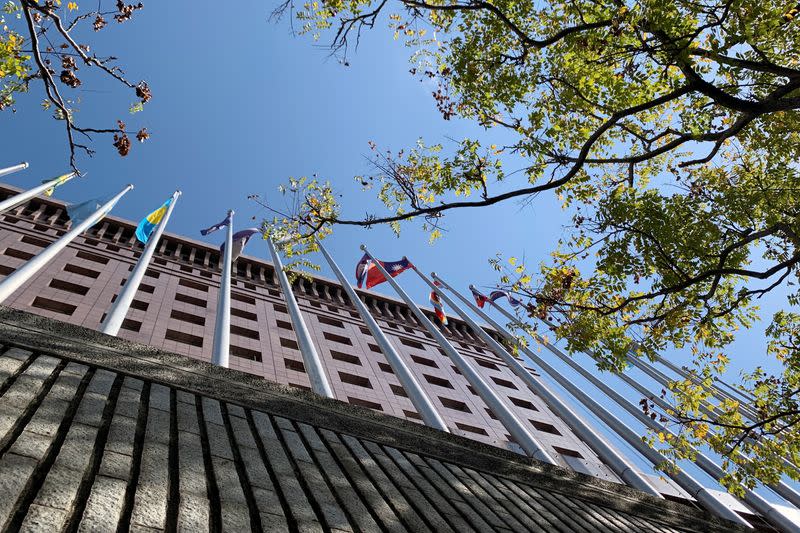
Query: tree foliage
{"x": 46, "y": 40}
{"x": 669, "y": 130}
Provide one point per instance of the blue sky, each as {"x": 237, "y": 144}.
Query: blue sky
{"x": 240, "y": 105}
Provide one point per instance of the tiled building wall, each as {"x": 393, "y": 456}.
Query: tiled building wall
{"x": 175, "y": 309}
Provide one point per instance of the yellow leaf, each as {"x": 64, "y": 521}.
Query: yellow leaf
{"x": 72, "y": 6}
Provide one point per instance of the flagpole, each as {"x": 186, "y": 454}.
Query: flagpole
{"x": 311, "y": 359}
{"x": 222, "y": 324}
{"x": 24, "y": 196}
{"x": 416, "y": 394}
{"x": 10, "y": 170}
{"x": 610, "y": 456}
{"x": 763, "y": 506}
{"x": 16, "y": 279}
{"x": 518, "y": 431}
{"x": 120, "y": 307}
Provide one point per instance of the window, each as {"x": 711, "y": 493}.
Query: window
{"x": 315, "y": 304}
{"x": 454, "y": 405}
{"x": 398, "y": 391}
{"x": 184, "y": 338}
{"x": 131, "y": 325}
{"x": 364, "y": 403}
{"x": 156, "y": 260}
{"x": 412, "y": 344}
{"x": 244, "y": 332}
{"x": 412, "y": 414}
{"x": 433, "y": 380}
{"x": 337, "y": 338}
{"x": 280, "y": 308}
{"x": 375, "y": 348}
{"x": 471, "y": 429}
{"x": 364, "y": 330}
{"x": 472, "y": 390}
{"x": 242, "y": 298}
{"x": 149, "y": 289}
{"x": 152, "y": 273}
{"x": 424, "y": 361}
{"x": 247, "y": 315}
{"x": 491, "y": 414}
{"x": 41, "y": 243}
{"x": 140, "y": 305}
{"x": 284, "y": 325}
{"x": 487, "y": 364}
{"x": 525, "y": 404}
{"x": 92, "y": 257}
{"x": 456, "y": 370}
{"x": 545, "y": 427}
{"x": 246, "y": 353}
{"x": 386, "y": 368}
{"x": 19, "y": 254}
{"x": 53, "y": 305}
{"x": 111, "y": 247}
{"x": 292, "y": 364}
{"x": 288, "y": 343}
{"x": 346, "y": 357}
{"x": 193, "y": 285}
{"x": 69, "y": 287}
{"x": 6, "y": 270}
{"x": 504, "y": 383}
{"x": 330, "y": 322}
{"x": 567, "y": 453}
{"x": 185, "y": 298}
{"x": 188, "y": 317}
{"x": 352, "y": 379}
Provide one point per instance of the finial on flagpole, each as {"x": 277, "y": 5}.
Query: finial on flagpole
{"x": 231, "y": 212}
{"x": 24, "y": 164}
{"x": 363, "y": 248}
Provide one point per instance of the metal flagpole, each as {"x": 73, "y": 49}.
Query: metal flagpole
{"x": 416, "y": 394}
{"x": 222, "y": 324}
{"x": 684, "y": 480}
{"x": 611, "y": 457}
{"x": 24, "y": 196}
{"x": 15, "y": 280}
{"x": 518, "y": 431}
{"x": 311, "y": 359}
{"x": 767, "y": 509}
{"x": 10, "y": 170}
{"x": 120, "y": 307}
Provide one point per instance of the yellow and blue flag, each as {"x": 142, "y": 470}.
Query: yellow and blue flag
{"x": 149, "y": 223}
{"x": 61, "y": 180}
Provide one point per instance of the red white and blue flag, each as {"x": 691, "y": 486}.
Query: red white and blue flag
{"x": 481, "y": 299}
{"x": 367, "y": 273}
{"x": 438, "y": 309}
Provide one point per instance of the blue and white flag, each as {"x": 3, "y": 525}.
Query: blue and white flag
{"x": 77, "y": 213}
{"x": 149, "y": 223}
{"x": 240, "y": 239}
{"x": 218, "y": 225}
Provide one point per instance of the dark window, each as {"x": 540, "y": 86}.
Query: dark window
{"x": 140, "y": 305}
{"x": 156, "y": 261}
{"x": 330, "y": 322}
{"x": 92, "y": 257}
{"x": 152, "y": 273}
{"x": 352, "y": 379}
{"x": 412, "y": 414}
{"x": 337, "y": 338}
{"x": 386, "y": 368}
{"x": 6, "y": 270}
{"x": 186, "y": 269}
{"x": 433, "y": 380}
{"x": 456, "y": 370}
{"x": 295, "y": 365}
{"x": 193, "y": 284}
{"x": 315, "y": 304}
{"x": 364, "y": 330}
{"x": 472, "y": 390}
{"x": 185, "y": 298}
{"x": 567, "y": 452}
{"x": 288, "y": 343}
{"x": 504, "y": 383}
{"x": 149, "y": 289}
{"x": 545, "y": 427}
{"x": 53, "y": 305}
{"x": 81, "y": 271}
{"x": 375, "y": 348}
{"x": 525, "y": 404}
{"x": 245, "y": 353}
{"x": 69, "y": 287}
{"x": 398, "y": 391}
{"x": 41, "y": 243}
{"x": 364, "y": 403}
{"x": 487, "y": 364}
{"x": 491, "y": 414}
{"x": 244, "y": 332}
{"x": 455, "y": 405}
{"x": 184, "y": 338}
{"x": 19, "y": 254}
{"x": 280, "y": 308}
{"x": 247, "y": 315}
{"x": 412, "y": 344}
{"x": 242, "y": 298}
{"x": 284, "y": 325}
{"x": 471, "y": 429}
{"x": 346, "y": 357}
{"x": 424, "y": 361}
{"x": 188, "y": 317}
{"x": 112, "y": 248}
{"x": 131, "y": 325}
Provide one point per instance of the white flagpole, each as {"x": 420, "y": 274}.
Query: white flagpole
{"x": 10, "y": 170}
{"x": 311, "y": 359}
{"x": 763, "y": 506}
{"x": 610, "y": 456}
{"x": 15, "y": 280}
{"x": 222, "y": 324}
{"x": 416, "y": 394}
{"x": 515, "y": 427}
{"x": 24, "y": 196}
{"x": 120, "y": 307}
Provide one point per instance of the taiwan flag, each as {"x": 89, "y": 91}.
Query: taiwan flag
{"x": 368, "y": 275}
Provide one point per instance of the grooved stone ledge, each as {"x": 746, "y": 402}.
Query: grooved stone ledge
{"x": 99, "y": 434}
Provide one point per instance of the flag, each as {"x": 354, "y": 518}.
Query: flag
{"x": 481, "y": 300}
{"x": 367, "y": 271}
{"x": 438, "y": 309}
{"x": 240, "y": 239}
{"x": 61, "y": 180}
{"x": 77, "y": 213}
{"x": 215, "y": 227}
{"x": 149, "y": 223}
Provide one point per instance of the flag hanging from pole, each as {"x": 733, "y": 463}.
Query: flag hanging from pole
{"x": 149, "y": 223}
{"x": 240, "y": 239}
{"x": 77, "y": 213}
{"x": 481, "y": 299}
{"x": 61, "y": 181}
{"x": 438, "y": 308}
{"x": 218, "y": 225}
{"x": 367, "y": 271}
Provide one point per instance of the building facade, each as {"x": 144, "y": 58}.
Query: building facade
{"x": 175, "y": 310}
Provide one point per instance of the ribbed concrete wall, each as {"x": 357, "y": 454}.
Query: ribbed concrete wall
{"x": 98, "y": 434}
